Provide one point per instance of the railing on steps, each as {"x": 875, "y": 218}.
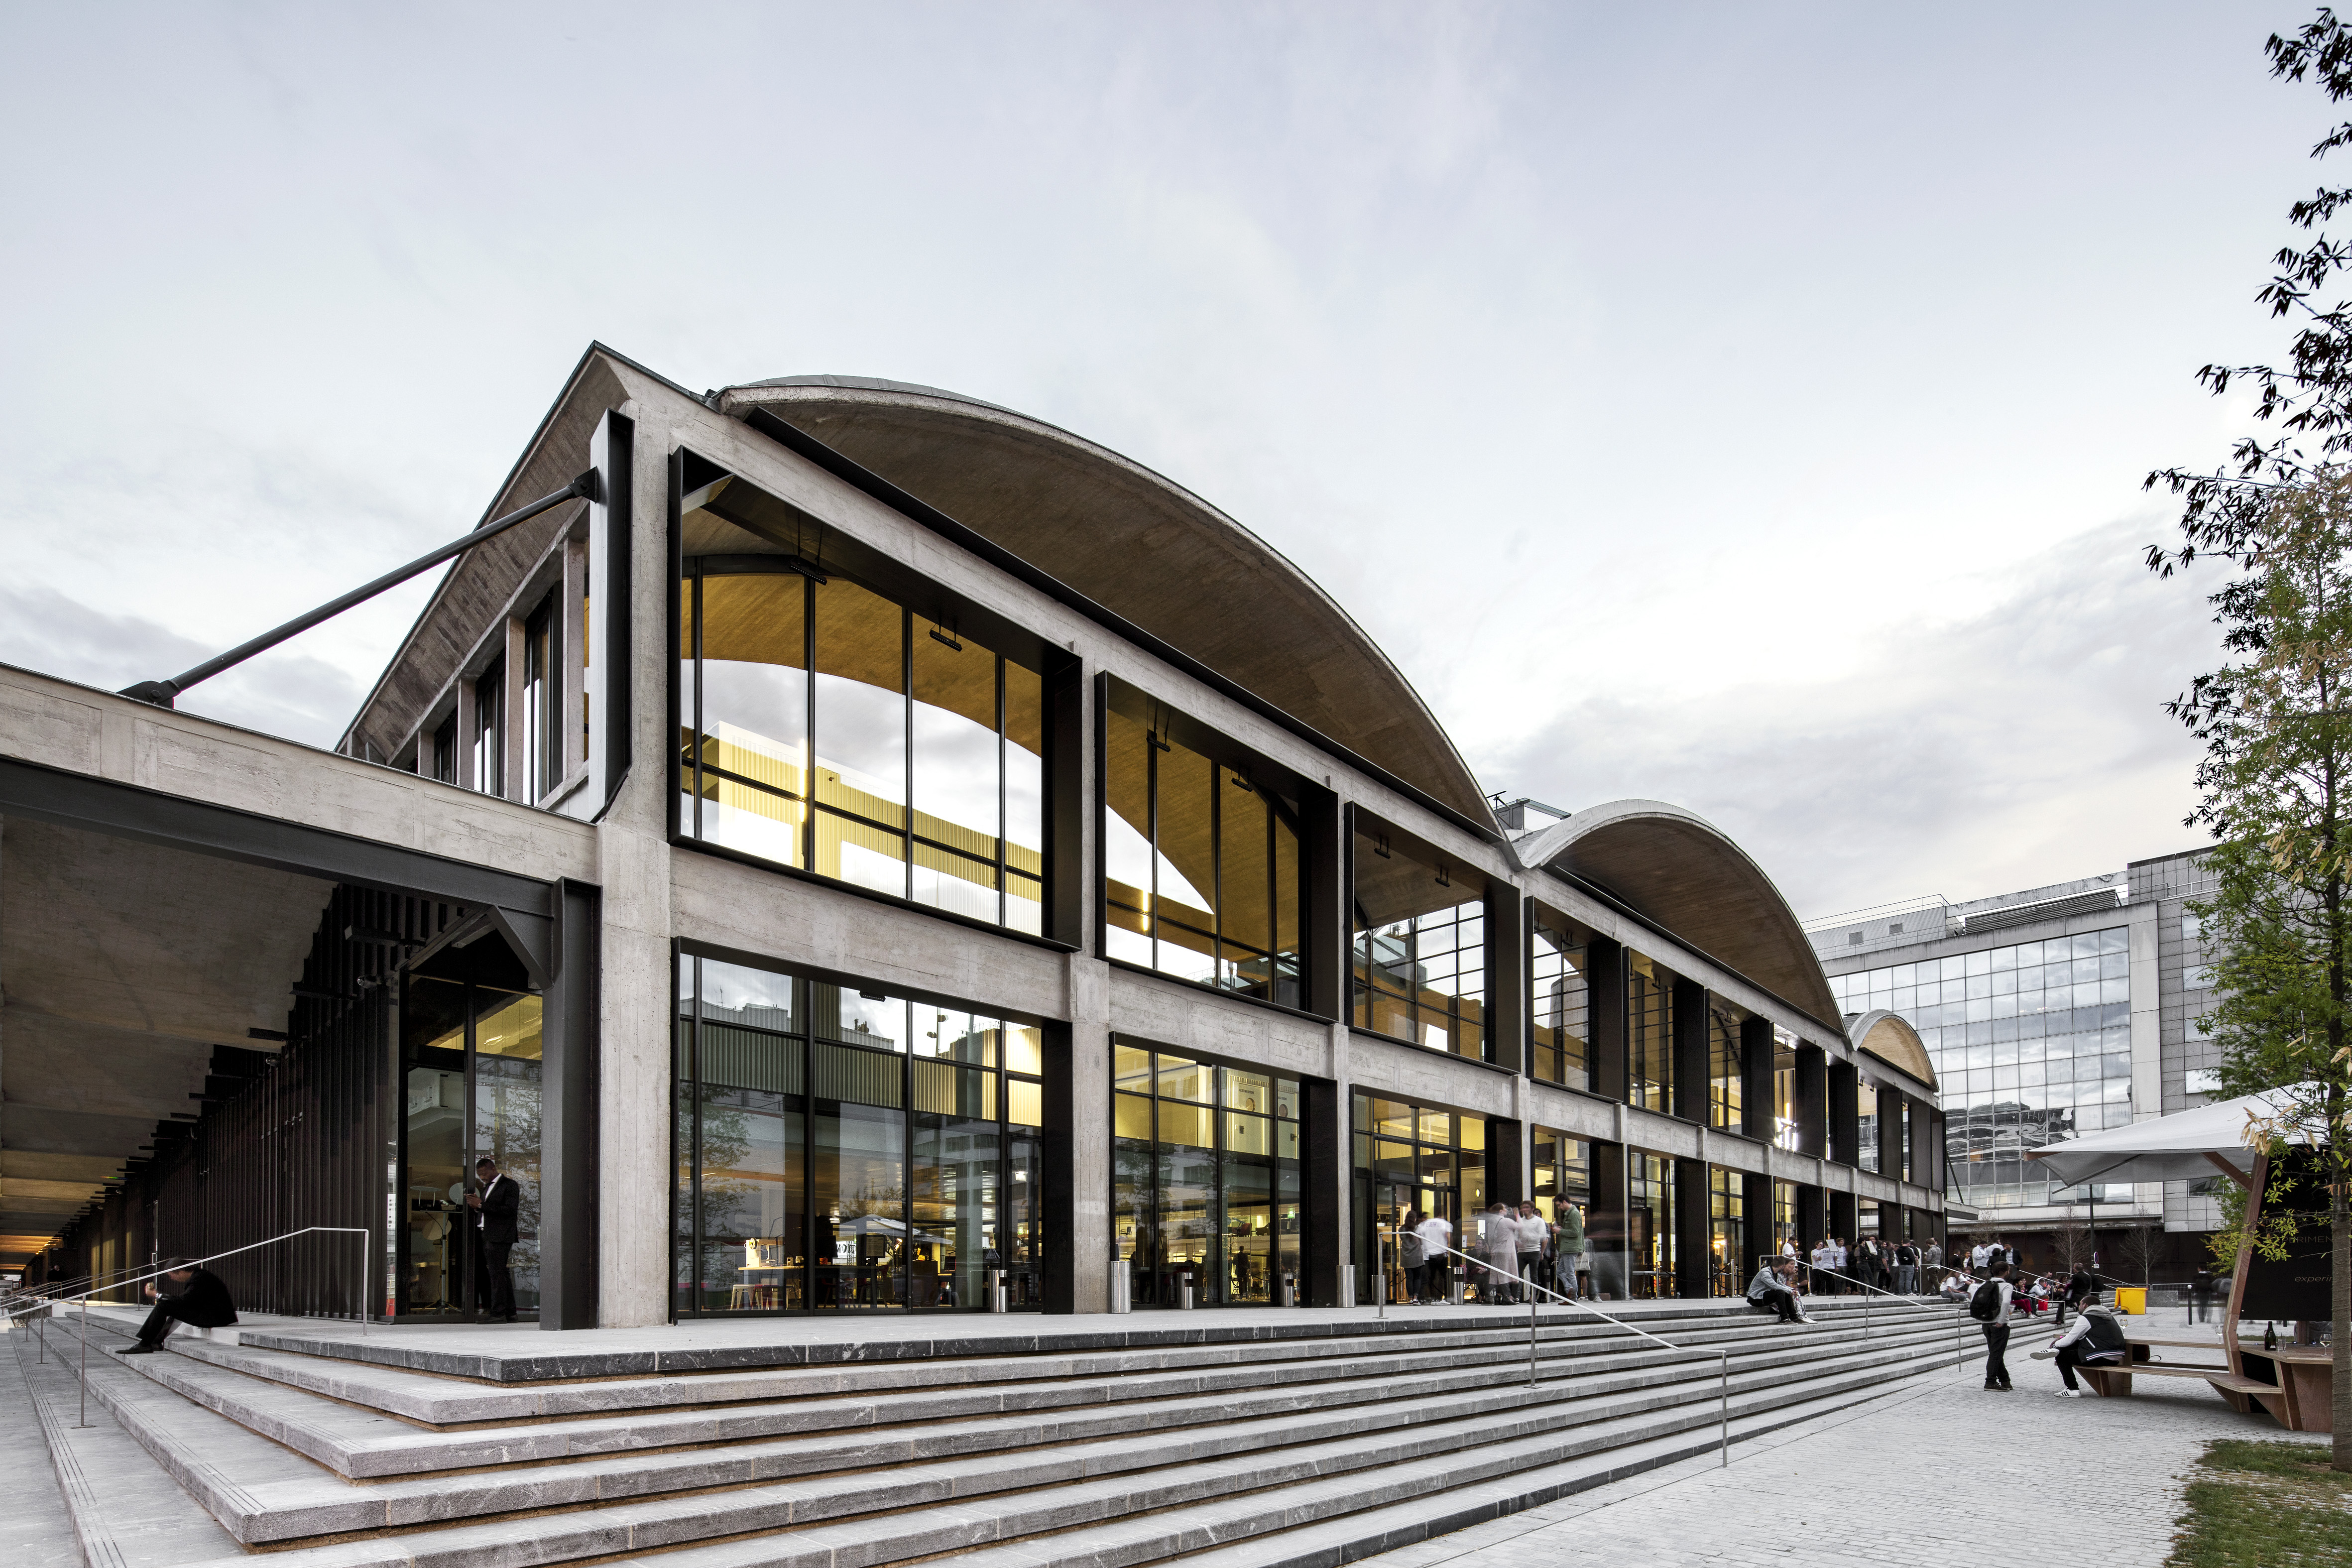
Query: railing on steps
{"x": 1960, "y": 1337}
{"x": 1723, "y": 1357}
{"x": 44, "y": 1307}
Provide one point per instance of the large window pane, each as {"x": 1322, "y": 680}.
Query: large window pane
{"x": 1419, "y": 947}
{"x": 1650, "y": 1031}
{"x": 754, "y": 713}
{"x": 1558, "y": 1003}
{"x": 861, "y": 724}
{"x": 957, "y": 774}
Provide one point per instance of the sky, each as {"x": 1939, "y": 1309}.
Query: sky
{"x": 1737, "y": 405}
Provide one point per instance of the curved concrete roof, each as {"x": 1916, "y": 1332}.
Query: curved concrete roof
{"x": 1890, "y": 1037}
{"x": 1674, "y": 867}
{"x": 1139, "y": 545}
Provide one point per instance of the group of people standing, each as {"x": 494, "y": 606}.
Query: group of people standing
{"x": 1895, "y": 1265}
{"x": 1509, "y": 1255}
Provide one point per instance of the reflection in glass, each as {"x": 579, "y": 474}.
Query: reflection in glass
{"x": 909, "y": 759}
{"x": 1559, "y": 1002}
{"x": 1419, "y": 947}
{"x": 1650, "y": 1220}
{"x": 1204, "y": 1179}
{"x": 506, "y": 1050}
{"x": 844, "y": 1149}
{"x": 1726, "y": 1094}
{"x": 1409, "y": 1157}
{"x": 1201, "y": 864}
{"x": 1650, "y": 1036}
{"x": 1727, "y": 1263}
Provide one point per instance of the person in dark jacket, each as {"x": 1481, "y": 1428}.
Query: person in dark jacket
{"x": 2082, "y": 1288}
{"x": 196, "y": 1297}
{"x": 494, "y": 1209}
{"x": 2097, "y": 1338}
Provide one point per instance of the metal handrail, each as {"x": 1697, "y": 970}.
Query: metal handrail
{"x": 1959, "y": 1335}
{"x": 83, "y": 1374}
{"x": 1723, "y": 1356}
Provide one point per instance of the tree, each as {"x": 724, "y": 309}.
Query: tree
{"x": 2275, "y": 788}
{"x": 2308, "y": 404}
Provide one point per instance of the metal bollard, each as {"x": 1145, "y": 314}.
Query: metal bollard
{"x": 1122, "y": 1285}
{"x": 1290, "y": 1297}
{"x": 1184, "y": 1292}
{"x": 1347, "y": 1286}
{"x": 996, "y": 1290}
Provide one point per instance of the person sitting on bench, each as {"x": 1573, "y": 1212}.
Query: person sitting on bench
{"x": 2096, "y": 1339}
{"x": 197, "y": 1299}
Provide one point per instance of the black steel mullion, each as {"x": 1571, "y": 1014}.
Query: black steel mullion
{"x": 906, "y": 755}
{"x": 808, "y": 724}
{"x": 1151, "y": 893}
{"x": 1216, "y": 871}
{"x": 1004, "y": 893}
{"x": 696, "y": 636}
{"x": 465, "y": 1165}
{"x": 694, "y": 1146}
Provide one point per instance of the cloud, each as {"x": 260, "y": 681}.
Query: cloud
{"x": 1969, "y": 756}
{"x": 281, "y": 693}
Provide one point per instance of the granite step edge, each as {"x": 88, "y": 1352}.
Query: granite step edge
{"x": 681, "y": 1522}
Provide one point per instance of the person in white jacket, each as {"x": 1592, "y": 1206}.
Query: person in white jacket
{"x": 1498, "y": 1250}
{"x": 2096, "y": 1339}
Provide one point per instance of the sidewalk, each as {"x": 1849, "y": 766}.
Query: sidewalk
{"x": 1922, "y": 1472}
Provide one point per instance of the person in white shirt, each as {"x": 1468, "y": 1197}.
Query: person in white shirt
{"x": 1822, "y": 1284}
{"x": 1535, "y": 1240}
{"x": 1498, "y": 1250}
{"x": 1977, "y": 1257}
{"x": 1437, "y": 1263}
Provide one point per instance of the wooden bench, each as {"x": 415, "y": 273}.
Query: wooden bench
{"x": 2114, "y": 1381}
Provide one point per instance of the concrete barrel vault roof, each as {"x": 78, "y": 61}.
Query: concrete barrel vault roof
{"x": 1139, "y": 545}
{"x": 1675, "y": 869}
{"x": 1890, "y": 1037}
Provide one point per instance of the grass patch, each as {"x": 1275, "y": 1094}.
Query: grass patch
{"x": 2264, "y": 1505}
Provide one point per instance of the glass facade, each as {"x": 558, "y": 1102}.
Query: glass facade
{"x": 827, "y": 727}
{"x": 1205, "y": 1178}
{"x": 470, "y": 1059}
{"x": 542, "y": 735}
{"x": 838, "y": 1150}
{"x": 1563, "y": 1181}
{"x": 1650, "y": 1224}
{"x": 1559, "y": 1001}
{"x": 1649, "y": 1037}
{"x": 489, "y": 738}
{"x": 1420, "y": 964}
{"x": 1784, "y": 1090}
{"x": 1409, "y": 1156}
{"x": 1727, "y": 1207}
{"x": 1726, "y": 1095}
{"x": 1201, "y": 870}
{"x": 1865, "y": 1112}
{"x": 2031, "y": 1044}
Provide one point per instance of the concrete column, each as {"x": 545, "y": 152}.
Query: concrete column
{"x": 568, "y": 1118}
{"x": 465, "y": 741}
{"x": 1893, "y": 1107}
{"x": 638, "y": 995}
{"x": 1844, "y": 1216}
{"x": 1084, "y": 1225}
{"x": 516, "y": 742}
{"x": 1756, "y": 1223}
{"x": 1326, "y": 1189}
{"x": 1812, "y": 1217}
{"x": 1605, "y": 1222}
{"x": 1507, "y": 1160}
{"x": 1507, "y": 978}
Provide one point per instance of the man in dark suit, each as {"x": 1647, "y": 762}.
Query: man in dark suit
{"x": 196, "y": 1297}
{"x": 494, "y": 1205}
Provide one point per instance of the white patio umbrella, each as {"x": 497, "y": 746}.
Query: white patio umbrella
{"x": 2162, "y": 1149}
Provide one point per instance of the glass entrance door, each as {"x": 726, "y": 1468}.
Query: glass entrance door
{"x": 470, "y": 1060}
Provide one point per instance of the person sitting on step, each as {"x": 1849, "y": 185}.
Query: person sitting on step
{"x": 1774, "y": 1289}
{"x": 197, "y": 1297}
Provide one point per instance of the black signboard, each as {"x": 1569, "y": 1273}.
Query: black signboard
{"x": 2296, "y": 1286}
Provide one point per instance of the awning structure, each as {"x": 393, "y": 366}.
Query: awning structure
{"x": 2183, "y": 1147}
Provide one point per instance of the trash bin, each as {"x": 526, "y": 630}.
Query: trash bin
{"x": 2132, "y": 1299}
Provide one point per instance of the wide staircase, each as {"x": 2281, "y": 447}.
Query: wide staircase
{"x": 1107, "y": 1442}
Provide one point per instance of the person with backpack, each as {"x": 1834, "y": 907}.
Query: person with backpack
{"x": 1990, "y": 1308}
{"x": 2096, "y": 1339}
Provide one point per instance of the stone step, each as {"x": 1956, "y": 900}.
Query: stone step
{"x": 120, "y": 1508}
{"x": 1215, "y": 1457}
{"x": 359, "y": 1444}
{"x": 1327, "y": 1524}
{"x": 264, "y": 1493}
{"x": 523, "y": 1356}
{"x": 1215, "y": 1498}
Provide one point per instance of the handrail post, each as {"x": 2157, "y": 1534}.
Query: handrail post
{"x": 85, "y": 1363}
{"x": 1532, "y": 1288}
{"x": 1725, "y": 1358}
